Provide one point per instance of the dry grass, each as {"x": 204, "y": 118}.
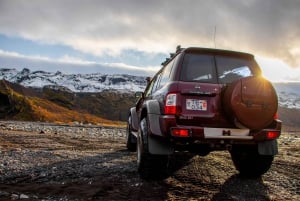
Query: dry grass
{"x": 50, "y": 112}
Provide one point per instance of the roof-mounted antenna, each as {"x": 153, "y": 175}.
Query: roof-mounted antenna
{"x": 215, "y": 33}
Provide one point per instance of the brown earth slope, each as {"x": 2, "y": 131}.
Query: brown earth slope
{"x": 24, "y": 104}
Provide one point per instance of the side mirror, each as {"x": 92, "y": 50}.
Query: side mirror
{"x": 139, "y": 94}
{"x": 148, "y": 79}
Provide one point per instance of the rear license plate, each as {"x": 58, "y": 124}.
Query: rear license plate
{"x": 194, "y": 104}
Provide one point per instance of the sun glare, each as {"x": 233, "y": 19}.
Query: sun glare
{"x": 276, "y": 70}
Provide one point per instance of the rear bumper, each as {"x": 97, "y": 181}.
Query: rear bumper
{"x": 205, "y": 134}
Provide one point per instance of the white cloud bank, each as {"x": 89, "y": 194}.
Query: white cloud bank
{"x": 274, "y": 70}
{"x": 70, "y": 65}
{"x": 268, "y": 28}
{"x": 278, "y": 71}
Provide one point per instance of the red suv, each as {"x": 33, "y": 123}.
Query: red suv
{"x": 203, "y": 100}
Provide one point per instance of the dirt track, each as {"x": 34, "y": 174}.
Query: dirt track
{"x": 69, "y": 165}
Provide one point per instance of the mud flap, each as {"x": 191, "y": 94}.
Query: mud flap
{"x": 134, "y": 119}
{"x": 155, "y": 125}
{"x": 159, "y": 146}
{"x": 156, "y": 145}
{"x": 268, "y": 147}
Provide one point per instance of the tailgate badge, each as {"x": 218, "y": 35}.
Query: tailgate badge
{"x": 226, "y": 133}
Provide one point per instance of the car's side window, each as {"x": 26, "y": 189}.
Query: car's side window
{"x": 157, "y": 81}
{"x": 150, "y": 87}
{"x": 165, "y": 77}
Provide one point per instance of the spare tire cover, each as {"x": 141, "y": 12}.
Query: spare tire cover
{"x": 251, "y": 101}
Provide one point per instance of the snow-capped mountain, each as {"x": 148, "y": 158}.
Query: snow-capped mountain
{"x": 96, "y": 82}
{"x": 288, "y": 93}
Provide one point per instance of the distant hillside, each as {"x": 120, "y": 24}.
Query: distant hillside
{"x": 289, "y": 94}
{"x": 19, "y": 103}
{"x": 110, "y": 96}
{"x": 289, "y": 103}
{"x": 290, "y": 117}
{"x": 96, "y": 82}
{"x": 108, "y": 104}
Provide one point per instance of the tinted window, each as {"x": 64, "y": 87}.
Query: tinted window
{"x": 208, "y": 68}
{"x": 166, "y": 74}
{"x": 157, "y": 82}
{"x": 231, "y": 68}
{"x": 149, "y": 87}
{"x": 198, "y": 68}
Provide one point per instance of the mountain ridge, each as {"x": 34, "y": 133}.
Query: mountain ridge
{"x": 109, "y": 99}
{"x": 288, "y": 93}
{"x": 95, "y": 82}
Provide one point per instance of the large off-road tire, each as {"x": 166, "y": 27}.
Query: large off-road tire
{"x": 250, "y": 102}
{"x": 150, "y": 166}
{"x": 130, "y": 138}
{"x": 250, "y": 163}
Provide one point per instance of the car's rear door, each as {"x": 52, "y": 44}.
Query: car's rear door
{"x": 199, "y": 91}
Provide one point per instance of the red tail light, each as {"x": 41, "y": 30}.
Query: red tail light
{"x": 170, "y": 104}
{"x": 267, "y": 135}
{"x": 276, "y": 116}
{"x": 177, "y": 132}
{"x": 272, "y": 135}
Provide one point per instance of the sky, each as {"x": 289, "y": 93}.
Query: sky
{"x": 135, "y": 36}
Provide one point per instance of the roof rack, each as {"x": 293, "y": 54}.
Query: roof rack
{"x": 172, "y": 55}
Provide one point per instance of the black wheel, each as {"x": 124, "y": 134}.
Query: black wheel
{"x": 250, "y": 163}
{"x": 150, "y": 167}
{"x": 130, "y": 138}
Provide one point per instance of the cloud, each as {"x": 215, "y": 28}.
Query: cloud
{"x": 69, "y": 65}
{"x": 268, "y": 28}
{"x": 278, "y": 71}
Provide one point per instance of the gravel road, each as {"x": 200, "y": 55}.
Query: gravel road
{"x": 59, "y": 162}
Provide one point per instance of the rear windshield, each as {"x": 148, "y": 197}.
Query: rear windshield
{"x": 216, "y": 69}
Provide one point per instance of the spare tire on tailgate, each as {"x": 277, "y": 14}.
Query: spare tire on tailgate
{"x": 251, "y": 101}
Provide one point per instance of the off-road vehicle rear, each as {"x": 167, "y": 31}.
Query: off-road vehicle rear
{"x": 204, "y": 100}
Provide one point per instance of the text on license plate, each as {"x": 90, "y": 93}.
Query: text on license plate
{"x": 194, "y": 104}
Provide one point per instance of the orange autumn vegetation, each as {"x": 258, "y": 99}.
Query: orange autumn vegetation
{"x": 16, "y": 106}
{"x": 50, "y": 112}
{"x": 31, "y": 108}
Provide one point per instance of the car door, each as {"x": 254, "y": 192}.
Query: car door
{"x": 199, "y": 91}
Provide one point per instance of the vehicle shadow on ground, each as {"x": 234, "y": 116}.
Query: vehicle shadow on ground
{"x": 113, "y": 176}
{"x": 189, "y": 180}
{"x": 240, "y": 188}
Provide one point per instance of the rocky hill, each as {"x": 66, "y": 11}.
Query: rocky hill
{"x": 288, "y": 93}
{"x": 110, "y": 96}
{"x": 96, "y": 82}
{"x": 26, "y": 104}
